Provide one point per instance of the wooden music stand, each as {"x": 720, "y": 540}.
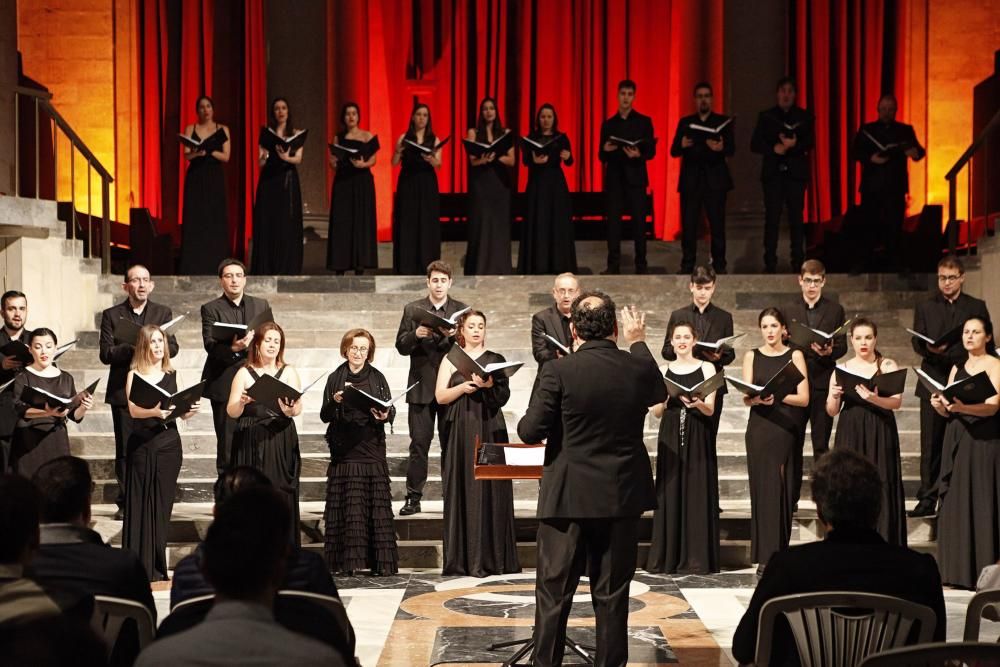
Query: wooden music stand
{"x": 498, "y": 471}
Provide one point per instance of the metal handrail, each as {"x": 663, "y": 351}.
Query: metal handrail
{"x": 42, "y": 100}
{"x": 952, "y": 178}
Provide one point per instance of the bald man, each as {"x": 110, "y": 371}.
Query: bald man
{"x": 554, "y": 321}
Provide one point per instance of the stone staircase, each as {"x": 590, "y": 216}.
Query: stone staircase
{"x": 315, "y": 311}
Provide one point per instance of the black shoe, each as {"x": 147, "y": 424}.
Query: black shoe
{"x": 611, "y": 271}
{"x": 411, "y": 506}
{"x": 924, "y": 508}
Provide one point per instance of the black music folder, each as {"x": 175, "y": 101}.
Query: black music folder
{"x": 426, "y": 318}
{"x": 550, "y": 146}
{"x": 225, "y": 331}
{"x": 972, "y": 390}
{"x": 632, "y": 143}
{"x": 711, "y": 131}
{"x": 498, "y": 147}
{"x": 127, "y": 331}
{"x": 949, "y": 338}
{"x": 37, "y": 397}
{"x": 466, "y": 365}
{"x": 887, "y": 384}
{"x": 15, "y": 349}
{"x": 559, "y": 346}
{"x": 211, "y": 143}
{"x": 700, "y": 390}
{"x": 268, "y": 390}
{"x": 364, "y": 401}
{"x": 412, "y": 145}
{"x": 804, "y": 336}
{"x": 270, "y": 140}
{"x": 145, "y": 394}
{"x": 726, "y": 343}
{"x": 781, "y": 384}
{"x": 361, "y": 152}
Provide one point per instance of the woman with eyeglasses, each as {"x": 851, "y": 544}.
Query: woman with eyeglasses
{"x": 358, "y": 516}
{"x": 969, "y": 519}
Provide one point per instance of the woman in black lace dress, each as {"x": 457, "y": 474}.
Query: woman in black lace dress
{"x": 359, "y": 523}
{"x": 205, "y": 223}
{"x": 867, "y": 424}
{"x": 266, "y": 437}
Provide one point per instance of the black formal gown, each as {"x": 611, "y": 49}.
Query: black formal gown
{"x": 547, "y": 245}
{"x": 277, "y": 220}
{"x": 771, "y": 437}
{"x": 479, "y": 537}
{"x": 969, "y": 518}
{"x": 351, "y": 242}
{"x": 488, "y": 250}
{"x": 38, "y": 441}
{"x": 416, "y": 215}
{"x": 205, "y": 232}
{"x": 270, "y": 443}
{"x": 359, "y": 523}
{"x": 871, "y": 431}
{"x": 154, "y": 463}
{"x": 686, "y": 522}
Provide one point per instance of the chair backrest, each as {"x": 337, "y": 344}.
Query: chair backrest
{"x": 840, "y": 629}
{"x": 940, "y": 654}
{"x": 111, "y": 613}
{"x": 195, "y": 601}
{"x": 345, "y": 642}
{"x": 974, "y": 613}
{"x": 185, "y": 614}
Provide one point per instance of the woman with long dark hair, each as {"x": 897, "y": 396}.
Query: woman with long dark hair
{"x": 867, "y": 424}
{"x": 205, "y": 223}
{"x": 359, "y": 523}
{"x": 969, "y": 519}
{"x": 416, "y": 225}
{"x": 264, "y": 439}
{"x": 351, "y": 241}
{"x": 547, "y": 245}
{"x": 479, "y": 537}
{"x": 154, "y": 456}
{"x": 771, "y": 437}
{"x": 277, "y": 208}
{"x": 488, "y": 251}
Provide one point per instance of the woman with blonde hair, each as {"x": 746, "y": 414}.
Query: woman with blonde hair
{"x": 266, "y": 439}
{"x": 153, "y": 455}
{"x": 359, "y": 522}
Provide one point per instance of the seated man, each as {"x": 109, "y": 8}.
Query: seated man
{"x": 853, "y": 557}
{"x": 71, "y": 555}
{"x": 305, "y": 571}
{"x": 21, "y": 599}
{"x": 240, "y": 629}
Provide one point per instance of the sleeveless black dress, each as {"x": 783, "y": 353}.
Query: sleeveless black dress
{"x": 351, "y": 241}
{"x": 479, "y": 535}
{"x": 871, "y": 431}
{"x": 547, "y": 245}
{"x": 488, "y": 250}
{"x": 968, "y": 525}
{"x": 277, "y": 220}
{"x": 270, "y": 443}
{"x": 686, "y": 522}
{"x": 771, "y": 437}
{"x": 416, "y": 213}
{"x": 38, "y": 441}
{"x": 205, "y": 228}
{"x": 154, "y": 463}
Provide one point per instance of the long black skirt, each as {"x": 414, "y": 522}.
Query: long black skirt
{"x": 359, "y": 524}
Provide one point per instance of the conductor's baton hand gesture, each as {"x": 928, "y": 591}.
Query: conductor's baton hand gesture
{"x": 633, "y": 325}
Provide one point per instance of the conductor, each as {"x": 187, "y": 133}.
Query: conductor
{"x": 597, "y": 480}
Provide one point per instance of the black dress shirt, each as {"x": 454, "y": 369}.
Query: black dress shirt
{"x": 623, "y": 171}
{"x": 425, "y": 353}
{"x": 118, "y": 355}
{"x": 772, "y": 123}
{"x": 552, "y": 322}
{"x": 701, "y": 167}
{"x": 222, "y": 363}
{"x": 891, "y": 177}
{"x": 936, "y": 317}
{"x": 825, "y": 315}
{"x": 711, "y": 325}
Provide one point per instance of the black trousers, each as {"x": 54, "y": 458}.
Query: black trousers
{"x": 784, "y": 193}
{"x": 713, "y": 451}
{"x": 714, "y": 204}
{"x": 122, "y": 422}
{"x": 224, "y": 429}
{"x": 932, "y": 427}
{"x": 821, "y": 425}
{"x": 6, "y": 441}
{"x": 618, "y": 201}
{"x": 883, "y": 216}
{"x": 605, "y": 549}
{"x": 421, "y": 422}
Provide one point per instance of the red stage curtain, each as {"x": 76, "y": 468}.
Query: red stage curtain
{"x": 843, "y": 55}
{"x": 451, "y": 53}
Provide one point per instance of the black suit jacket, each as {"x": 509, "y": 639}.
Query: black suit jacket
{"x": 623, "y": 171}
{"x": 831, "y": 316}
{"x": 76, "y": 559}
{"x": 794, "y": 164}
{"x": 548, "y": 321}
{"x": 118, "y": 355}
{"x": 936, "y": 317}
{"x": 8, "y": 415}
{"x": 591, "y": 408}
{"x": 720, "y": 325}
{"x": 222, "y": 363}
{"x": 701, "y": 167}
{"x": 891, "y": 177}
{"x": 425, "y": 354}
{"x": 847, "y": 560}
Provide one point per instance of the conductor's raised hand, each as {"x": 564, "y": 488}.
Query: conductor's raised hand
{"x": 633, "y": 325}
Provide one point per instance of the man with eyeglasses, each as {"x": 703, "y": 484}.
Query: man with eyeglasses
{"x": 554, "y": 321}
{"x": 816, "y": 312}
{"x": 945, "y": 311}
{"x": 226, "y": 357}
{"x": 117, "y": 354}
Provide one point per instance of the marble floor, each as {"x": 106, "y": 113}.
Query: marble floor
{"x": 423, "y": 618}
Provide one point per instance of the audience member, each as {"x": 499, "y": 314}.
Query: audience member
{"x": 853, "y": 557}
{"x": 52, "y": 641}
{"x": 241, "y": 629}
